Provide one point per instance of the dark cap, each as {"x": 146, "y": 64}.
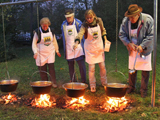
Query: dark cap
{"x": 68, "y": 13}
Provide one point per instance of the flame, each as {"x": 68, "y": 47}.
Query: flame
{"x": 42, "y": 101}
{"x": 78, "y": 102}
{"x": 9, "y": 98}
{"x": 113, "y": 104}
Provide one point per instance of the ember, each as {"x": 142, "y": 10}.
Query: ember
{"x": 76, "y": 103}
{"x": 43, "y": 101}
{"x": 113, "y": 104}
{"x": 8, "y": 99}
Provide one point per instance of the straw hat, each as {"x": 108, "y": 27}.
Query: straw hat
{"x": 133, "y": 10}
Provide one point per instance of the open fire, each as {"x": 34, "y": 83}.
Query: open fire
{"x": 76, "y": 103}
{"x": 8, "y": 99}
{"x": 43, "y": 101}
{"x": 113, "y": 104}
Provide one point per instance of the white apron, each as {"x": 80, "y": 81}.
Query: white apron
{"x": 46, "y": 49}
{"x": 71, "y": 33}
{"x": 93, "y": 45}
{"x": 141, "y": 64}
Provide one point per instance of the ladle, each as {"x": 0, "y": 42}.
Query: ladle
{"x": 133, "y": 70}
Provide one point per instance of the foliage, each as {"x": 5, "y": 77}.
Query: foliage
{"x": 23, "y": 18}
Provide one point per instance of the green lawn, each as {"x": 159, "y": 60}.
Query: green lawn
{"x": 23, "y": 67}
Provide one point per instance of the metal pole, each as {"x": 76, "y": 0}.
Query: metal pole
{"x": 21, "y": 2}
{"x": 154, "y": 54}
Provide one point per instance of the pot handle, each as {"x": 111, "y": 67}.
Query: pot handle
{"x": 39, "y": 72}
{"x": 120, "y": 73}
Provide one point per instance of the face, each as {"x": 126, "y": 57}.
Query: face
{"x": 44, "y": 27}
{"x": 134, "y": 19}
{"x": 89, "y": 18}
{"x": 70, "y": 19}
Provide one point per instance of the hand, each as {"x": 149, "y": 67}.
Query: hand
{"x": 59, "y": 54}
{"x": 75, "y": 45}
{"x": 106, "y": 41}
{"x": 132, "y": 46}
{"x": 35, "y": 56}
{"x": 139, "y": 49}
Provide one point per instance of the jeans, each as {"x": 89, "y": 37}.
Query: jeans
{"x": 144, "y": 81}
{"x": 103, "y": 77}
{"x": 82, "y": 69}
{"x": 44, "y": 76}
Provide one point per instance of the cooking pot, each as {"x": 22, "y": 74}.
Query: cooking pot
{"x": 41, "y": 87}
{"x": 115, "y": 89}
{"x": 75, "y": 89}
{"x": 8, "y": 85}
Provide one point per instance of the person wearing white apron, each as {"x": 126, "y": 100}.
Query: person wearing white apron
{"x": 69, "y": 28}
{"x": 44, "y": 47}
{"x": 136, "y": 33}
{"x": 93, "y": 30}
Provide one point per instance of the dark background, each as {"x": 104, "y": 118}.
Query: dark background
{"x": 20, "y": 20}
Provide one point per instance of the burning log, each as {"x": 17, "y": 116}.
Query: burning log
{"x": 10, "y": 99}
{"x": 43, "y": 101}
{"x": 113, "y": 104}
{"x": 76, "y": 103}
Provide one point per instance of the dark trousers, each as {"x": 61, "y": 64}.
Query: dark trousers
{"x": 144, "y": 80}
{"x": 44, "y": 76}
{"x": 82, "y": 69}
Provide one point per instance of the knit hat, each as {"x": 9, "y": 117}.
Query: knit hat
{"x": 69, "y": 13}
{"x": 133, "y": 10}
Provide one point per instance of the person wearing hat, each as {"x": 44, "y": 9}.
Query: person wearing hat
{"x": 44, "y": 46}
{"x": 70, "y": 27}
{"x": 136, "y": 33}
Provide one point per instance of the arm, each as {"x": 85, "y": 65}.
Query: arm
{"x": 103, "y": 31}
{"x": 123, "y": 32}
{"x": 80, "y": 35}
{"x": 124, "y": 35}
{"x": 148, "y": 39}
{"x": 34, "y": 45}
{"x": 56, "y": 46}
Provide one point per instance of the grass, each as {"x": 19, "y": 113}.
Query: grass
{"x": 23, "y": 67}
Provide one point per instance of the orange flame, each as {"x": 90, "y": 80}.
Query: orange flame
{"x": 78, "y": 102}
{"x": 115, "y": 104}
{"x": 9, "y": 98}
{"x": 42, "y": 101}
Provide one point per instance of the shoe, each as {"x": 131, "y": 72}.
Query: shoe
{"x": 143, "y": 94}
{"x": 54, "y": 85}
{"x": 129, "y": 91}
{"x": 93, "y": 89}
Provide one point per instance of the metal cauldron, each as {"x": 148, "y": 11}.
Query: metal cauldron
{"x": 75, "y": 89}
{"x": 8, "y": 85}
{"x": 41, "y": 87}
{"x": 115, "y": 89}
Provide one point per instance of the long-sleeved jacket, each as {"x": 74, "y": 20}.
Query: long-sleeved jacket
{"x": 144, "y": 33}
{"x": 84, "y": 30}
{"x": 78, "y": 24}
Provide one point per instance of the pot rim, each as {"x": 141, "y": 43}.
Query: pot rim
{"x": 45, "y": 83}
{"x": 76, "y": 83}
{"x": 114, "y": 85}
{"x": 8, "y": 82}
